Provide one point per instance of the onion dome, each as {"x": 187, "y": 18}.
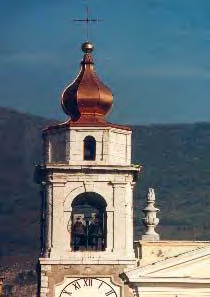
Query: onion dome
{"x": 87, "y": 99}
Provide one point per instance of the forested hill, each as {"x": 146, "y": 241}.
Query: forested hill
{"x": 175, "y": 160}
{"x": 20, "y": 150}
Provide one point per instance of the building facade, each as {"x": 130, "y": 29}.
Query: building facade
{"x": 87, "y": 182}
{"x": 87, "y": 192}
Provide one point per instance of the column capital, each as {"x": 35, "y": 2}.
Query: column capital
{"x": 118, "y": 184}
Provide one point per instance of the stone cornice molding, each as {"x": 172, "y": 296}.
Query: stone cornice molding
{"x": 66, "y": 128}
{"x": 184, "y": 258}
{"x": 88, "y": 168}
{"x": 193, "y": 281}
{"x": 90, "y": 259}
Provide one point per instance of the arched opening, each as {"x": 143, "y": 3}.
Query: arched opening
{"x": 89, "y": 148}
{"x": 89, "y": 222}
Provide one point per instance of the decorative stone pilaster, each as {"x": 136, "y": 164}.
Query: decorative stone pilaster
{"x": 48, "y": 227}
{"x": 67, "y": 244}
{"x": 110, "y": 231}
{"x": 67, "y": 146}
{"x": 47, "y": 148}
{"x": 123, "y": 225}
{"x": 150, "y": 220}
{"x": 129, "y": 217}
{"x": 43, "y": 219}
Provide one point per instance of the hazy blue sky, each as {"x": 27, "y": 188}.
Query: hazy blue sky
{"x": 153, "y": 54}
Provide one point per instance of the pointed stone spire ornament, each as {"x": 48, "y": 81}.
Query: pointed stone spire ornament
{"x": 150, "y": 220}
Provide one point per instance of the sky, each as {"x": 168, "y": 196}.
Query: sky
{"x": 153, "y": 54}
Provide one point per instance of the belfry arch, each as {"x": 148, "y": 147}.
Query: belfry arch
{"x": 88, "y": 222}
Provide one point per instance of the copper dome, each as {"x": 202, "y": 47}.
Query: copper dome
{"x": 87, "y": 98}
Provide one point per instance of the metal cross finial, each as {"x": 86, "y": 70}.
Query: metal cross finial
{"x": 87, "y": 20}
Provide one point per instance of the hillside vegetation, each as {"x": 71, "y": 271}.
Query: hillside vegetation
{"x": 175, "y": 160}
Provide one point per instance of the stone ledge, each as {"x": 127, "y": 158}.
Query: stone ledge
{"x": 83, "y": 167}
{"x": 89, "y": 261}
{"x": 172, "y": 242}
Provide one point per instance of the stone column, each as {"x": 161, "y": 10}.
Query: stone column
{"x": 67, "y": 146}
{"x": 105, "y": 144}
{"x": 67, "y": 230}
{"x": 119, "y": 216}
{"x": 49, "y": 218}
{"x": 128, "y": 149}
{"x": 129, "y": 218}
{"x": 58, "y": 231}
{"x": 43, "y": 219}
{"x": 47, "y": 148}
{"x": 110, "y": 231}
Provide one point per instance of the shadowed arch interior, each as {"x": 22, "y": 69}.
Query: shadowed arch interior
{"x": 90, "y": 198}
{"x": 89, "y": 222}
{"x": 89, "y": 148}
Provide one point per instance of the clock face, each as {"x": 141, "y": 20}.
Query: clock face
{"x": 94, "y": 287}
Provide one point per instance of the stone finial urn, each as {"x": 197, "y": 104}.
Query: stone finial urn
{"x": 150, "y": 219}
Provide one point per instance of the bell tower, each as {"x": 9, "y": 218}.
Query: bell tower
{"x": 87, "y": 185}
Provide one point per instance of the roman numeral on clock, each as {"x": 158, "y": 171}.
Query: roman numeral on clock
{"x": 88, "y": 282}
{"x": 76, "y": 285}
{"x": 109, "y": 293}
{"x": 100, "y": 285}
{"x": 68, "y": 293}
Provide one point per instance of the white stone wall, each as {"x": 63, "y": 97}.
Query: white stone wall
{"x": 44, "y": 288}
{"x": 119, "y": 147}
{"x": 55, "y": 146}
{"x": 110, "y": 175}
{"x": 113, "y": 146}
{"x": 115, "y": 188}
{"x": 171, "y": 269}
